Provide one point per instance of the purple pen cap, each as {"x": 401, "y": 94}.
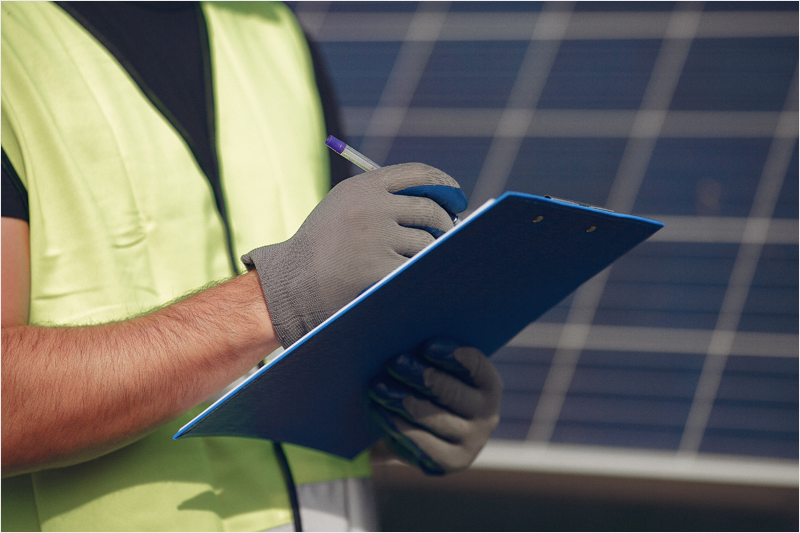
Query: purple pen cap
{"x": 335, "y": 144}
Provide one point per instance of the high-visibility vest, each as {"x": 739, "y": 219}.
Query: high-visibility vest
{"x": 122, "y": 220}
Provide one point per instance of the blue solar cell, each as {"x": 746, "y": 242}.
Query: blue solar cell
{"x": 754, "y": 416}
{"x": 683, "y": 362}
{"x": 708, "y": 177}
{"x": 669, "y": 263}
{"x": 686, "y": 265}
{"x": 512, "y": 430}
{"x": 462, "y": 158}
{"x": 576, "y": 169}
{"x": 742, "y": 442}
{"x": 750, "y": 6}
{"x": 768, "y": 323}
{"x": 756, "y": 410}
{"x": 759, "y": 388}
{"x": 670, "y": 266}
{"x": 359, "y": 70}
{"x": 683, "y": 298}
{"x": 533, "y": 356}
{"x": 518, "y": 406}
{"x": 772, "y": 302}
{"x": 523, "y": 371}
{"x": 624, "y": 410}
{"x": 599, "y": 74}
{"x": 788, "y": 200}
{"x": 737, "y": 74}
{"x": 634, "y": 382}
{"x": 469, "y": 74}
{"x": 775, "y": 303}
{"x": 777, "y": 267}
{"x": 763, "y": 366}
{"x": 656, "y": 319}
{"x": 622, "y": 435}
{"x": 706, "y": 251}
{"x": 522, "y": 376}
{"x": 750, "y": 380}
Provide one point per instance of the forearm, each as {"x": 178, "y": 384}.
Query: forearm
{"x": 72, "y": 394}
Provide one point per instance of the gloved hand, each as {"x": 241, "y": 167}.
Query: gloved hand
{"x": 438, "y": 406}
{"x": 363, "y": 229}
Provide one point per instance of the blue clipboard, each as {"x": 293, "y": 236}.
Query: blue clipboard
{"x": 479, "y": 284}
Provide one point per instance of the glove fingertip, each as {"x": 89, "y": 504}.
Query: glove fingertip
{"x": 409, "y": 371}
{"x": 451, "y": 199}
{"x": 404, "y": 446}
{"x": 388, "y": 396}
{"x": 435, "y": 232}
{"x": 383, "y": 417}
{"x": 441, "y": 353}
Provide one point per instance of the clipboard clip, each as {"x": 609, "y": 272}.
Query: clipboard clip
{"x": 578, "y": 203}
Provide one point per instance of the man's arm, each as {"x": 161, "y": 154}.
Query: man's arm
{"x": 73, "y": 394}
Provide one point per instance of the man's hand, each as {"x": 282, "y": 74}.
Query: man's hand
{"x": 366, "y": 227}
{"x": 438, "y": 406}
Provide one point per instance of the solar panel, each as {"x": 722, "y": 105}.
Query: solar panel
{"x": 681, "y": 112}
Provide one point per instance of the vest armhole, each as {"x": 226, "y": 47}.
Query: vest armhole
{"x": 15, "y": 206}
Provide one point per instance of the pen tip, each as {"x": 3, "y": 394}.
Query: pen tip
{"x": 335, "y": 144}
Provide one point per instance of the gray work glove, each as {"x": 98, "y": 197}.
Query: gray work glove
{"x": 355, "y": 236}
{"x": 438, "y": 406}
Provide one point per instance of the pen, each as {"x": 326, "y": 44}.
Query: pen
{"x": 360, "y": 160}
{"x": 354, "y": 156}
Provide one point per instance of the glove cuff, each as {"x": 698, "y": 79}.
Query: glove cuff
{"x": 291, "y": 297}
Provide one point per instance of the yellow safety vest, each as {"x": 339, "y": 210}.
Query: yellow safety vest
{"x": 123, "y": 220}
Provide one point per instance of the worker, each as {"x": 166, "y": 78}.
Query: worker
{"x": 146, "y": 148}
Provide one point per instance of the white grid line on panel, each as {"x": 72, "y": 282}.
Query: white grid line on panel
{"x": 723, "y": 229}
{"x": 409, "y": 65}
{"x": 754, "y": 238}
{"x": 668, "y": 66}
{"x": 311, "y": 15}
{"x": 656, "y": 100}
{"x": 579, "y": 123}
{"x": 518, "y": 115}
{"x": 382, "y": 27}
{"x": 544, "y": 335}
